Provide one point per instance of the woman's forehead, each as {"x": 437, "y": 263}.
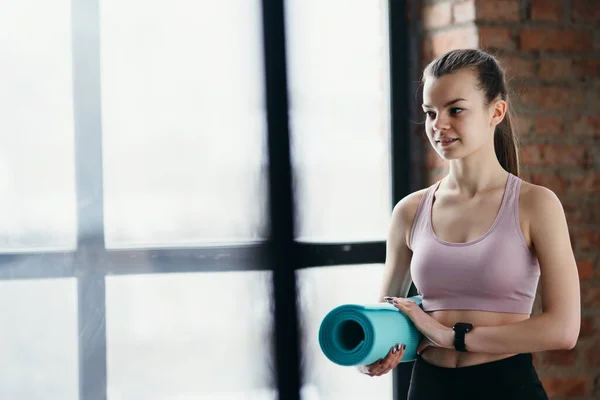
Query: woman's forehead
{"x": 448, "y": 87}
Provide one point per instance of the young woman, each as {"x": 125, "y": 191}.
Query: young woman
{"x": 476, "y": 244}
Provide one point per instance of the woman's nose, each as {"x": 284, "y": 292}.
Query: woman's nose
{"x": 440, "y": 124}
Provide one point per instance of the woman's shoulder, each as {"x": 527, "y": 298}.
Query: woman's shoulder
{"x": 405, "y": 212}
{"x": 537, "y": 200}
{"x": 403, "y": 217}
{"x": 407, "y": 207}
{"x": 532, "y": 193}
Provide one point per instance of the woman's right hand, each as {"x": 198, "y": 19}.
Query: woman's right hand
{"x": 386, "y": 364}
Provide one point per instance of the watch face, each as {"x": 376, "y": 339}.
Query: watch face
{"x": 463, "y": 326}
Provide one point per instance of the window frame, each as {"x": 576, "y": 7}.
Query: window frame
{"x": 91, "y": 262}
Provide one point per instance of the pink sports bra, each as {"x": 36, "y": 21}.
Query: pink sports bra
{"x": 496, "y": 272}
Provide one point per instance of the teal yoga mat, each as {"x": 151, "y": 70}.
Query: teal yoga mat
{"x": 354, "y": 334}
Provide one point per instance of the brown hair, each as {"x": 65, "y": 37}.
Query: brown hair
{"x": 493, "y": 83}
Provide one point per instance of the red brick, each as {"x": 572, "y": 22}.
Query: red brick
{"x": 587, "y": 125}
{"x": 552, "y": 98}
{"x": 592, "y": 355}
{"x": 561, "y": 358}
{"x": 547, "y": 10}
{"x": 588, "y": 327}
{"x": 585, "y": 11}
{"x": 585, "y": 182}
{"x": 555, "y": 68}
{"x": 525, "y": 173}
{"x": 437, "y": 15}
{"x": 594, "y": 98}
{"x": 575, "y": 213}
{"x": 588, "y": 239}
{"x": 532, "y": 154}
{"x": 498, "y": 10}
{"x": 458, "y": 38}
{"x": 547, "y": 125}
{"x": 595, "y": 218}
{"x": 594, "y": 212}
{"x": 567, "y": 154}
{"x": 564, "y": 386}
{"x": 586, "y": 68}
{"x": 552, "y": 181}
{"x": 554, "y": 155}
{"x": 496, "y": 38}
{"x": 572, "y": 237}
{"x": 594, "y": 154}
{"x": 547, "y": 39}
{"x": 524, "y": 125}
{"x": 464, "y": 11}
{"x": 517, "y": 67}
{"x": 590, "y": 296}
{"x": 427, "y": 51}
{"x": 585, "y": 269}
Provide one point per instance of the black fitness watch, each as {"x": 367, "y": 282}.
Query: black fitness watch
{"x": 460, "y": 329}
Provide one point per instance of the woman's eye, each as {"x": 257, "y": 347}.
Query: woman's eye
{"x": 430, "y": 114}
{"x": 456, "y": 110}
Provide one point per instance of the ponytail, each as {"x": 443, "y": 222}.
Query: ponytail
{"x": 506, "y": 144}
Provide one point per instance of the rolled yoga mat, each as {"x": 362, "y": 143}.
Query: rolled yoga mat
{"x": 353, "y": 334}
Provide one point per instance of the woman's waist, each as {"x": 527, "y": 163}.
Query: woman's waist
{"x": 475, "y": 317}
{"x": 451, "y": 358}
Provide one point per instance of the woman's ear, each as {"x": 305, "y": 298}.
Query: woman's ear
{"x": 498, "y": 112}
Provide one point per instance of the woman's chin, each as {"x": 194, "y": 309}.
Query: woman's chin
{"x": 447, "y": 156}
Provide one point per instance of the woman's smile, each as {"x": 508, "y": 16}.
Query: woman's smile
{"x": 446, "y": 142}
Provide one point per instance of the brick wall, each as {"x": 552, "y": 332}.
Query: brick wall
{"x": 551, "y": 51}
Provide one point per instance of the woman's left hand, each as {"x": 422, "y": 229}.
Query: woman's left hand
{"x": 435, "y": 334}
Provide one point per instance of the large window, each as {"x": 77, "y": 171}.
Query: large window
{"x": 340, "y": 118}
{"x": 134, "y": 183}
{"x": 183, "y": 122}
{"x": 340, "y": 134}
{"x": 38, "y": 339}
{"x": 37, "y": 185}
{"x": 197, "y": 336}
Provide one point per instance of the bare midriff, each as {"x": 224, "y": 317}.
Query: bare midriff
{"x": 451, "y": 358}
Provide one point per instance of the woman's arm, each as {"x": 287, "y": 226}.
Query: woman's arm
{"x": 557, "y": 328}
{"x": 397, "y": 279}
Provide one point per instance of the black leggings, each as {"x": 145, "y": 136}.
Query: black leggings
{"x": 512, "y": 378}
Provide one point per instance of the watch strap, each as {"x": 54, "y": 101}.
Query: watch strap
{"x": 460, "y": 330}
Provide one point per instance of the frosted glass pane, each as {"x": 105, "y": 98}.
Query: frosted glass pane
{"x": 38, "y": 340}
{"x": 204, "y": 336}
{"x": 184, "y": 127}
{"x": 37, "y": 185}
{"x": 321, "y": 290}
{"x": 339, "y": 118}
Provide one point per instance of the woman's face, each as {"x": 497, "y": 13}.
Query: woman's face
{"x": 457, "y": 122}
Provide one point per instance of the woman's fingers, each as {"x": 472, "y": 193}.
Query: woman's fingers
{"x": 377, "y": 366}
{"x": 392, "y": 359}
{"x": 389, "y": 362}
{"x": 372, "y": 368}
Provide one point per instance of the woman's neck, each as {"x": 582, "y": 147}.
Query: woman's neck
{"x": 475, "y": 173}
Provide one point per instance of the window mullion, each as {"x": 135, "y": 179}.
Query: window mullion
{"x": 91, "y": 284}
